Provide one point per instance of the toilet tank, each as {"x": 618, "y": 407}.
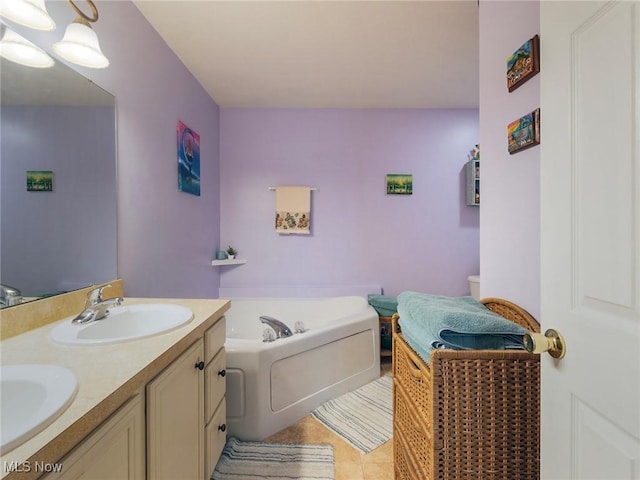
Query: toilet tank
{"x": 474, "y": 286}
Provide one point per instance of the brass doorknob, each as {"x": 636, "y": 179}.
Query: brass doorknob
{"x": 552, "y": 342}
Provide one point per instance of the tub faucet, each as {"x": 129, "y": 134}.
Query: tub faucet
{"x": 280, "y": 328}
{"x": 10, "y": 296}
{"x": 95, "y": 308}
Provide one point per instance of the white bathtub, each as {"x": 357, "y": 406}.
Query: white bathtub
{"x": 272, "y": 385}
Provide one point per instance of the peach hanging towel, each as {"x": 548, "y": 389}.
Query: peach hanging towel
{"x": 293, "y": 209}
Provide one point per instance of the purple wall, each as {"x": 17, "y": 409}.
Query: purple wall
{"x": 360, "y": 236}
{"x": 510, "y": 211}
{"x": 166, "y": 238}
{"x": 45, "y": 234}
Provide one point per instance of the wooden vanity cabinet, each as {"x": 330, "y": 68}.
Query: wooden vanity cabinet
{"x": 215, "y": 390}
{"x": 185, "y": 423}
{"x": 114, "y": 451}
{"x": 183, "y": 401}
{"x": 175, "y": 419}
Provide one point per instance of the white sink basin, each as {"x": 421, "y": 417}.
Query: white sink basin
{"x": 32, "y": 396}
{"x": 127, "y": 322}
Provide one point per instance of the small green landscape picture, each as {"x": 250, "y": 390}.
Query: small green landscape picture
{"x": 399, "y": 184}
{"x": 39, "y": 181}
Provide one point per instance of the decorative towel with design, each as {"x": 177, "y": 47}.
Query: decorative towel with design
{"x": 293, "y": 210}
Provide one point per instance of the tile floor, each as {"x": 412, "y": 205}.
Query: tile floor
{"x": 350, "y": 463}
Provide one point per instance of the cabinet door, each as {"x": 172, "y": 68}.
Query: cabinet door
{"x": 114, "y": 451}
{"x": 215, "y": 386}
{"x": 216, "y": 438}
{"x": 175, "y": 419}
{"x": 214, "y": 339}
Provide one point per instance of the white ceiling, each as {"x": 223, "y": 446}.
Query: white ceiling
{"x": 326, "y": 54}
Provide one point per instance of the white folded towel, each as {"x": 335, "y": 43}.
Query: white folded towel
{"x": 293, "y": 208}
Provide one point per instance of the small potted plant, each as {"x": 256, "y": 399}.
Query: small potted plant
{"x": 231, "y": 252}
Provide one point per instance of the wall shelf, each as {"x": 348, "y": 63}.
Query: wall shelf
{"x": 472, "y": 168}
{"x": 235, "y": 261}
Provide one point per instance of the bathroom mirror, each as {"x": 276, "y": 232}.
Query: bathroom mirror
{"x": 58, "y": 180}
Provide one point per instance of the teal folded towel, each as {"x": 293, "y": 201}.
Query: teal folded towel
{"x": 460, "y": 323}
{"x": 383, "y": 304}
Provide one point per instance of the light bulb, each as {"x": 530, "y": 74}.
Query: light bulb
{"x": 18, "y": 49}
{"x": 80, "y": 46}
{"x": 30, "y": 13}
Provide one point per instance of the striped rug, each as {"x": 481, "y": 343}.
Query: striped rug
{"x": 364, "y": 417}
{"x": 274, "y": 461}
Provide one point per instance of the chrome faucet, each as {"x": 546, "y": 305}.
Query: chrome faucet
{"x": 280, "y": 328}
{"x": 95, "y": 307}
{"x": 10, "y": 296}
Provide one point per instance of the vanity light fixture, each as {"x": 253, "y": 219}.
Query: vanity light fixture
{"x": 80, "y": 43}
{"x": 18, "y": 49}
{"x": 30, "y": 13}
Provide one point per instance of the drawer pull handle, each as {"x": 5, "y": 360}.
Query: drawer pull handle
{"x": 414, "y": 370}
{"x": 222, "y": 372}
{"x": 200, "y": 365}
{"x": 222, "y": 427}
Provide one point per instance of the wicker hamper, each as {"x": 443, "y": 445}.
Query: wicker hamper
{"x": 467, "y": 415}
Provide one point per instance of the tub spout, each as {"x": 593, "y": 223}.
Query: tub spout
{"x": 280, "y": 328}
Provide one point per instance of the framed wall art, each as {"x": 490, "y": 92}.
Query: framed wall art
{"x": 188, "y": 160}
{"x": 524, "y": 132}
{"x": 524, "y": 63}
{"x": 399, "y": 184}
{"x": 39, "y": 181}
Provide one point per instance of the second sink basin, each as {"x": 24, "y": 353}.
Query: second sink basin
{"x": 127, "y": 322}
{"x": 32, "y": 396}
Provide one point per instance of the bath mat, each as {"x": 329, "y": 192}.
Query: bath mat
{"x": 274, "y": 461}
{"x": 364, "y": 417}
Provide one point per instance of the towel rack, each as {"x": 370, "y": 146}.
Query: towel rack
{"x": 313, "y": 189}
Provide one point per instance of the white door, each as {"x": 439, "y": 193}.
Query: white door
{"x": 590, "y": 194}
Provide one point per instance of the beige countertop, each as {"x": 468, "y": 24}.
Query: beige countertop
{"x": 108, "y": 375}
